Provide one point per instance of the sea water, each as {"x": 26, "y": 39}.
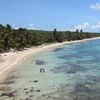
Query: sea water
{"x": 71, "y": 72}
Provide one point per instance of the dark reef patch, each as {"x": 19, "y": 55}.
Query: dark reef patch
{"x": 88, "y": 52}
{"x": 9, "y": 80}
{"x": 70, "y": 56}
{"x": 70, "y": 68}
{"x": 40, "y": 62}
{"x": 12, "y": 77}
{"x": 82, "y": 88}
{"x": 84, "y": 92}
{"x": 57, "y": 49}
{"x": 94, "y": 78}
{"x": 91, "y": 61}
{"x": 7, "y": 94}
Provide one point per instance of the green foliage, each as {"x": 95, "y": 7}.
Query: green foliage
{"x": 20, "y": 38}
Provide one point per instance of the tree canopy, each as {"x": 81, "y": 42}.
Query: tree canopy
{"x": 21, "y": 38}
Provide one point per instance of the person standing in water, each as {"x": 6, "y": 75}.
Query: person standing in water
{"x": 42, "y": 70}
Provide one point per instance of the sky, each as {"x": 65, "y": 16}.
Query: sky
{"x": 50, "y": 14}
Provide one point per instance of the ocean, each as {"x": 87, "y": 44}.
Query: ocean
{"x": 68, "y": 72}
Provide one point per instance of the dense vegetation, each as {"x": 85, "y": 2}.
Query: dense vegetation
{"x": 18, "y": 39}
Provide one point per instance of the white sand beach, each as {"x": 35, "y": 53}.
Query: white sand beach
{"x": 8, "y": 60}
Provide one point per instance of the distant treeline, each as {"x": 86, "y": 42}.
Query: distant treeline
{"x": 18, "y": 39}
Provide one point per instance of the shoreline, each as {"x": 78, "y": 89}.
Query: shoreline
{"x": 8, "y": 60}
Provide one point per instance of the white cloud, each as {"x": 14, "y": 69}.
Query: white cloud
{"x": 81, "y": 26}
{"x": 95, "y": 6}
{"x": 14, "y": 26}
{"x": 31, "y": 26}
{"x": 87, "y": 27}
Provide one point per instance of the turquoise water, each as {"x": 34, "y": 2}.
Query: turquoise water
{"x": 72, "y": 72}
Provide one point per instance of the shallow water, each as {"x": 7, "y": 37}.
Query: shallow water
{"x": 72, "y": 72}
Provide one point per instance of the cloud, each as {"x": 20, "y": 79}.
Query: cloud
{"x": 95, "y": 6}
{"x": 83, "y": 26}
{"x": 31, "y": 26}
{"x": 28, "y": 26}
{"x": 14, "y": 26}
{"x": 87, "y": 27}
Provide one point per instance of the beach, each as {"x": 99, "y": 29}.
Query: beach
{"x": 9, "y": 59}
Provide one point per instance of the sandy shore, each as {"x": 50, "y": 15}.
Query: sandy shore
{"x": 8, "y": 60}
